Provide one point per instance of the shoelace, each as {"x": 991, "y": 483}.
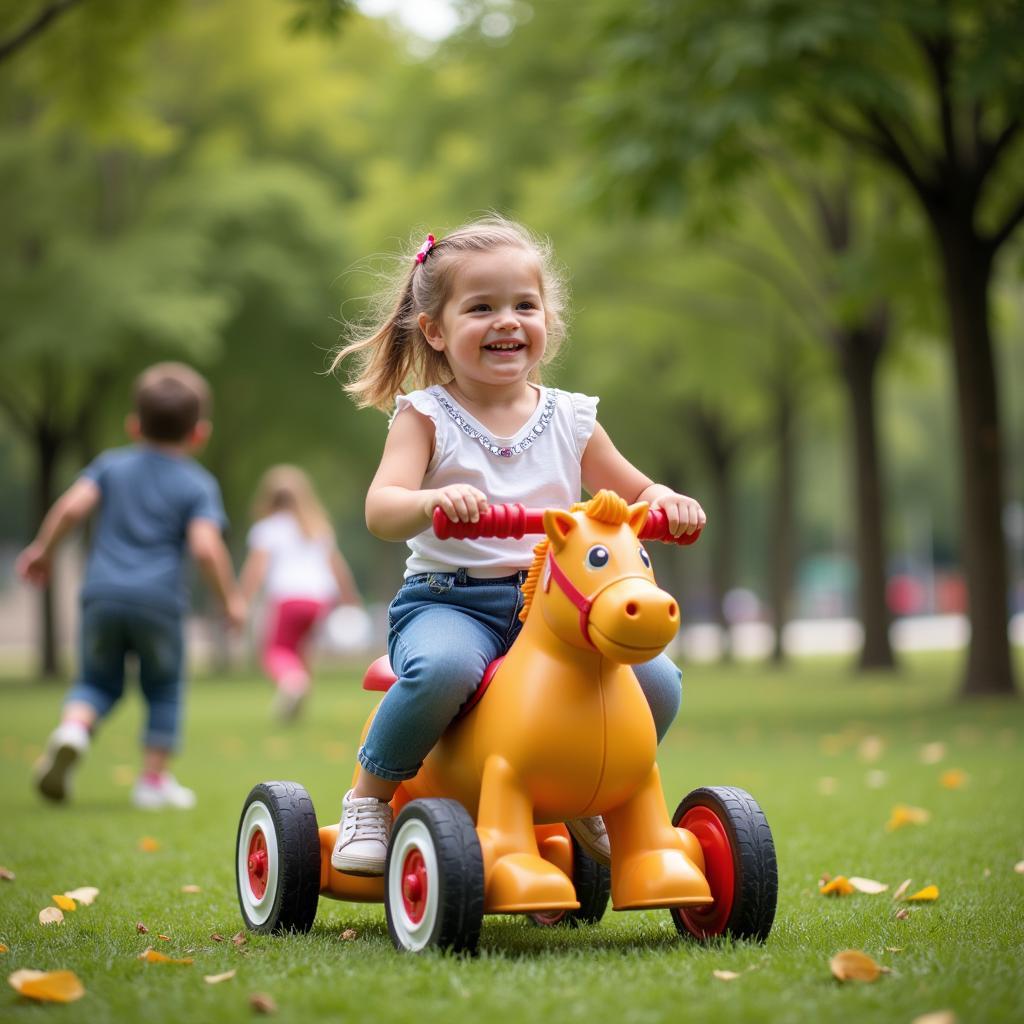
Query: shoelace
{"x": 370, "y": 821}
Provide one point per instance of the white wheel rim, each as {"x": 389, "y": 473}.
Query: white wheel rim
{"x": 413, "y": 835}
{"x": 257, "y": 819}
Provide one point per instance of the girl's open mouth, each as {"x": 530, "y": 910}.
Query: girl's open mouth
{"x": 505, "y": 346}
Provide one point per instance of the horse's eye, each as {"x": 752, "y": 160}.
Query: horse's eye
{"x": 597, "y": 557}
{"x": 644, "y": 557}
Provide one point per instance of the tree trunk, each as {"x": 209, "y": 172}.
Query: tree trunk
{"x": 47, "y": 451}
{"x": 967, "y": 268}
{"x": 720, "y": 454}
{"x": 782, "y": 540}
{"x": 859, "y": 351}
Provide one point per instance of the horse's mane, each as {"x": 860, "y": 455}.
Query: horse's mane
{"x": 604, "y": 507}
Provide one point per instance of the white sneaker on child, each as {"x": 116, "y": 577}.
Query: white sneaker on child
{"x": 363, "y": 835}
{"x": 164, "y": 791}
{"x": 67, "y": 743}
{"x": 591, "y": 834}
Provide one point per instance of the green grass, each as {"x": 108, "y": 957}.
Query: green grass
{"x": 776, "y": 735}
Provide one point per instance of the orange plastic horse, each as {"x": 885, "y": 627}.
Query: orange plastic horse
{"x": 565, "y": 730}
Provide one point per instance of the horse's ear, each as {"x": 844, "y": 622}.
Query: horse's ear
{"x": 558, "y": 525}
{"x": 638, "y": 516}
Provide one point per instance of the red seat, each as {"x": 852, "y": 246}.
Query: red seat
{"x": 379, "y": 676}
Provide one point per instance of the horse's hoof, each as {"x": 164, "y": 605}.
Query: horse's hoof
{"x": 522, "y": 882}
{"x": 658, "y": 878}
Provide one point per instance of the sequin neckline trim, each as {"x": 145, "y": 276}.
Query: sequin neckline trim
{"x": 498, "y": 450}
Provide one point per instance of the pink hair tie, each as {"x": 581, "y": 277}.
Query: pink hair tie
{"x": 425, "y": 248}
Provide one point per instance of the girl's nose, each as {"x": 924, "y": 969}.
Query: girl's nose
{"x": 506, "y": 320}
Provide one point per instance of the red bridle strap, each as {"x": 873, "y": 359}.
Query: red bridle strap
{"x": 575, "y": 595}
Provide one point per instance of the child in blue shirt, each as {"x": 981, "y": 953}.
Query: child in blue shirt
{"x": 154, "y": 500}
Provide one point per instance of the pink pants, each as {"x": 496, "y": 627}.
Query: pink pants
{"x": 289, "y": 624}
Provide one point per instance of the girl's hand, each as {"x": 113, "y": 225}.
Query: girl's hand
{"x": 461, "y": 502}
{"x": 684, "y": 514}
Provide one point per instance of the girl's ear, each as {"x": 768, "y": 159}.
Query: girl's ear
{"x": 431, "y": 330}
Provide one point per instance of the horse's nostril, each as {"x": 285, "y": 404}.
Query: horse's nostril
{"x": 631, "y": 609}
{"x": 673, "y": 610}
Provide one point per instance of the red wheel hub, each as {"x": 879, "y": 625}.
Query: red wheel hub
{"x": 415, "y": 885}
{"x": 719, "y": 870}
{"x": 258, "y": 864}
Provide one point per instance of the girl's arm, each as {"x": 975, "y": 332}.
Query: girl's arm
{"x": 604, "y": 466}
{"x": 348, "y": 593}
{"x": 254, "y": 572}
{"x": 397, "y": 505}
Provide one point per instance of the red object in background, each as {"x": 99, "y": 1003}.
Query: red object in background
{"x": 950, "y": 594}
{"x": 905, "y": 596}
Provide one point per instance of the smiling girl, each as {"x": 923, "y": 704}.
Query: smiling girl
{"x": 477, "y": 315}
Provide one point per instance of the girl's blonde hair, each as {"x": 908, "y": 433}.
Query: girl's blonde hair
{"x": 288, "y": 489}
{"x": 393, "y": 357}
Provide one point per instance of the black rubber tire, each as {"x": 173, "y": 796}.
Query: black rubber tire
{"x": 755, "y": 870}
{"x": 294, "y": 869}
{"x": 444, "y": 832}
{"x": 593, "y": 884}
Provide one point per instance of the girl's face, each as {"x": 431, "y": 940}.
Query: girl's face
{"x": 492, "y": 329}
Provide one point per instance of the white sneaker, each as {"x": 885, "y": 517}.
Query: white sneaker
{"x": 591, "y": 834}
{"x": 363, "y": 835}
{"x": 166, "y": 792}
{"x": 288, "y": 704}
{"x": 67, "y": 743}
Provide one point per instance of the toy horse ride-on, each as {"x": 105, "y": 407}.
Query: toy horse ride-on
{"x": 558, "y": 729}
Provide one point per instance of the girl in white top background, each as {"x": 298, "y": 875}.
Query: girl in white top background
{"x": 474, "y": 317}
{"x": 294, "y": 560}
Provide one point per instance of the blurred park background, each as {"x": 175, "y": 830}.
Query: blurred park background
{"x": 792, "y": 231}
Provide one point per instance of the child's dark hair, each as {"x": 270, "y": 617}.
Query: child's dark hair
{"x": 392, "y": 356}
{"x": 170, "y": 399}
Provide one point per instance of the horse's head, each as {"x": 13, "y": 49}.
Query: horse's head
{"x": 593, "y": 584}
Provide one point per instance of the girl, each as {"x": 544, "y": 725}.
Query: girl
{"x": 292, "y": 555}
{"x": 476, "y": 315}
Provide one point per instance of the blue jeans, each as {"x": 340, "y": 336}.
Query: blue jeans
{"x": 109, "y": 631}
{"x": 444, "y": 630}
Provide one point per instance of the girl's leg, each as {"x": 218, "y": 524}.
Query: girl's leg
{"x": 289, "y": 624}
{"x": 661, "y": 682}
{"x": 439, "y": 652}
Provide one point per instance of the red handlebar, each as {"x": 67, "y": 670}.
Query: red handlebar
{"x": 515, "y": 520}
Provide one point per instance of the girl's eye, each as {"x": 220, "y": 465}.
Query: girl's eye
{"x": 644, "y": 557}
{"x": 526, "y": 305}
{"x": 597, "y": 557}
{"x": 480, "y": 307}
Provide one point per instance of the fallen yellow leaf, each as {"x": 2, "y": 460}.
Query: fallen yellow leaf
{"x": 868, "y": 885}
{"x": 932, "y": 753}
{"x": 151, "y": 956}
{"x": 903, "y": 814}
{"x": 3, "y": 948}
{"x": 953, "y": 779}
{"x": 51, "y": 915}
{"x": 838, "y": 886}
{"x": 901, "y": 889}
{"x": 349, "y": 935}
{"x": 65, "y": 902}
{"x": 853, "y": 965}
{"x": 47, "y": 986}
{"x": 6, "y": 874}
{"x": 939, "y": 1017}
{"x": 871, "y": 748}
{"x": 191, "y": 888}
{"x": 239, "y": 938}
{"x": 85, "y": 894}
{"x": 147, "y": 844}
{"x": 902, "y": 914}
{"x": 929, "y": 892}
{"x": 216, "y": 979}
{"x": 725, "y": 975}
{"x": 141, "y": 928}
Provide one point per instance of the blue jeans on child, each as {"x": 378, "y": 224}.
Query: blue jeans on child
{"x": 109, "y": 631}
{"x": 444, "y": 630}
